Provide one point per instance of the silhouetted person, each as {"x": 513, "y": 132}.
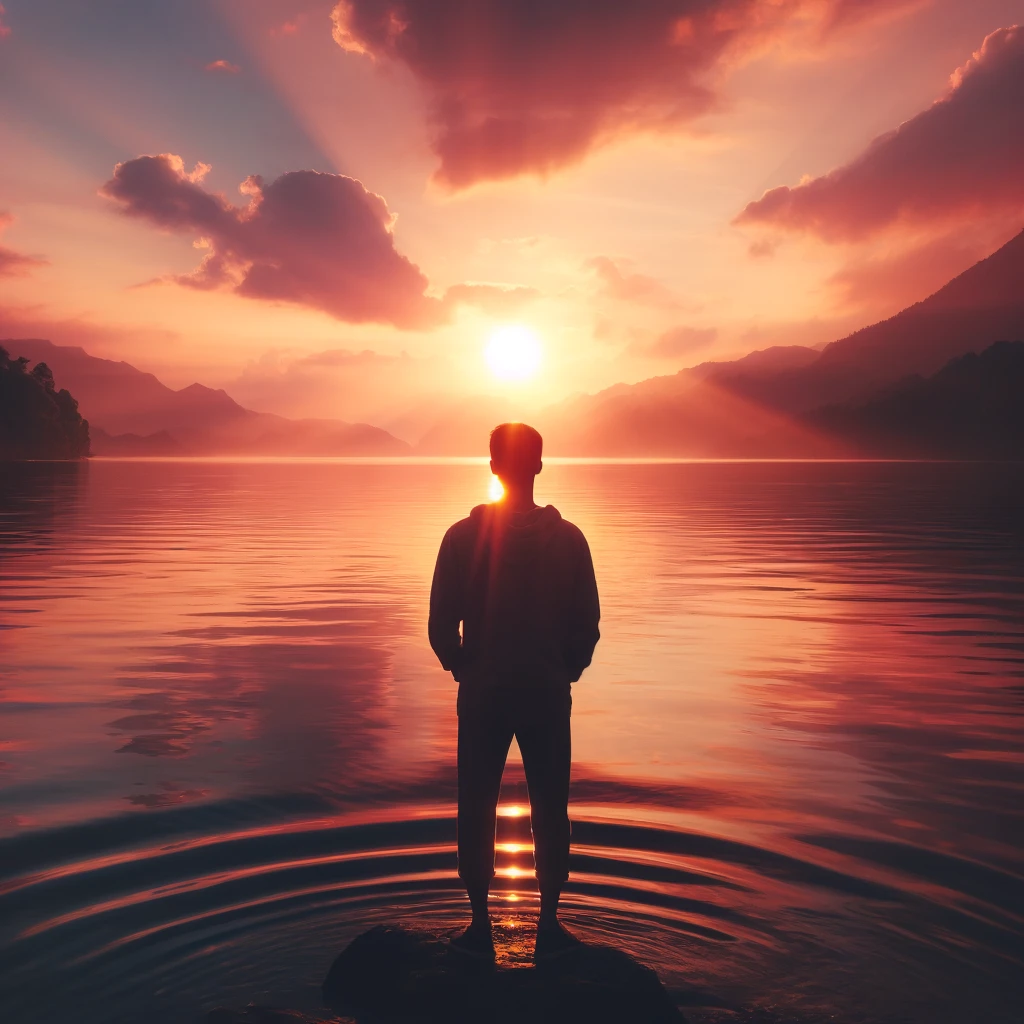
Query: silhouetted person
{"x": 520, "y": 581}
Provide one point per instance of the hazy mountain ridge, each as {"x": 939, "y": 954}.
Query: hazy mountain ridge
{"x": 770, "y": 403}
{"x": 781, "y": 402}
{"x": 134, "y": 413}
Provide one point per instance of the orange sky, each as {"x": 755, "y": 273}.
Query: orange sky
{"x": 592, "y": 170}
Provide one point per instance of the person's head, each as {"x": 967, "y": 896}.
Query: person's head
{"x": 515, "y": 453}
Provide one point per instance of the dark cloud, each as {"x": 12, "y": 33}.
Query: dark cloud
{"x": 15, "y": 264}
{"x": 530, "y": 86}
{"x": 959, "y": 158}
{"x": 316, "y": 239}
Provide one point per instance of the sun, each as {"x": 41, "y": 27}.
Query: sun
{"x": 513, "y": 352}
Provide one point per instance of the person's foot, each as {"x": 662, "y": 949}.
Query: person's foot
{"x": 553, "y": 941}
{"x": 475, "y": 942}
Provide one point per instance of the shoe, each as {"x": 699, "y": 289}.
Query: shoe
{"x": 475, "y": 943}
{"x": 554, "y": 941}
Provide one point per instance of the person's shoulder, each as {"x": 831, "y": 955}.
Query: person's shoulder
{"x": 570, "y": 531}
{"x": 466, "y": 527}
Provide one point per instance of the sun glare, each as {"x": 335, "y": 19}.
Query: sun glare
{"x": 513, "y": 352}
{"x": 495, "y": 492}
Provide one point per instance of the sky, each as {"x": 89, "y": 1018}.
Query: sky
{"x": 329, "y": 209}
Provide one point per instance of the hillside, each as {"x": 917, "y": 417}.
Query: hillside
{"x": 981, "y": 306}
{"x": 36, "y": 420}
{"x": 134, "y": 413}
{"x": 971, "y": 408}
{"x": 764, "y": 404}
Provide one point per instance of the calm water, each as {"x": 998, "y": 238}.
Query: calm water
{"x": 225, "y": 747}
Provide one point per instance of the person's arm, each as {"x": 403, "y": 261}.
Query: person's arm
{"x": 446, "y": 608}
{"x": 585, "y": 614}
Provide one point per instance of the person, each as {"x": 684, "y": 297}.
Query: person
{"x": 519, "y": 579}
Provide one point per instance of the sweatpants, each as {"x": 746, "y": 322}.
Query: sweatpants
{"x": 488, "y": 719}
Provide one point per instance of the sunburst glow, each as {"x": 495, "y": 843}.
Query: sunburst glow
{"x": 513, "y": 352}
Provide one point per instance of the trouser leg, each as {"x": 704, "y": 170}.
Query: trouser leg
{"x": 542, "y": 730}
{"x": 485, "y": 733}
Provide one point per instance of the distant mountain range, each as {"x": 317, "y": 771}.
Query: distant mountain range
{"x": 899, "y": 387}
{"x": 786, "y": 401}
{"x": 133, "y": 413}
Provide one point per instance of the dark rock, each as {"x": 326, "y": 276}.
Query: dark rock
{"x": 390, "y": 975}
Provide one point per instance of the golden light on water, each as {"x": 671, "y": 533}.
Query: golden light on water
{"x": 495, "y": 492}
{"x": 513, "y": 352}
{"x": 512, "y": 847}
{"x": 511, "y": 811}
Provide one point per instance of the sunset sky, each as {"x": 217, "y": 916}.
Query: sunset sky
{"x": 642, "y": 185}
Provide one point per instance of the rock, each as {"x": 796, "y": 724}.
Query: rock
{"x": 393, "y": 975}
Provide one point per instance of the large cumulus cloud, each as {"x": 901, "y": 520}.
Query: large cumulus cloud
{"x": 532, "y": 85}
{"x": 320, "y": 240}
{"x": 960, "y": 157}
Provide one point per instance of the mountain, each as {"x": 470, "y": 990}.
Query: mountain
{"x": 983, "y": 305}
{"x": 776, "y": 359}
{"x": 972, "y": 408}
{"x": 36, "y": 420}
{"x": 135, "y": 413}
{"x": 765, "y": 404}
{"x": 681, "y": 416}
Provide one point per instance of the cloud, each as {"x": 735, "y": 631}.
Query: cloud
{"x": 854, "y": 12}
{"x": 5, "y": 30}
{"x": 15, "y": 264}
{"x": 958, "y": 159}
{"x": 678, "y": 342}
{"x": 621, "y": 285}
{"x": 311, "y": 238}
{"x": 224, "y": 67}
{"x": 497, "y": 300}
{"x": 529, "y": 87}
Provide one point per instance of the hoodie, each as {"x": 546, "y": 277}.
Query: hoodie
{"x": 522, "y": 586}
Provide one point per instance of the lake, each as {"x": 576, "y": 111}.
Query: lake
{"x": 798, "y": 770}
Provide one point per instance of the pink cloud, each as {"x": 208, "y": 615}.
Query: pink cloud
{"x": 958, "y": 159}
{"x": 224, "y": 67}
{"x": 678, "y": 342}
{"x": 5, "y": 30}
{"x": 622, "y": 285}
{"x": 15, "y": 264}
{"x": 319, "y": 240}
{"x": 528, "y": 88}
{"x": 853, "y": 12}
{"x": 498, "y": 300}
{"x": 289, "y": 28}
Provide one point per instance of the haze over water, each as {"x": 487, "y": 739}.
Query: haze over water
{"x": 227, "y": 748}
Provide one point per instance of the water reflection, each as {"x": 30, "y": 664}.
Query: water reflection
{"x": 797, "y": 766}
